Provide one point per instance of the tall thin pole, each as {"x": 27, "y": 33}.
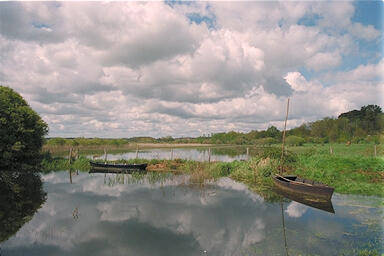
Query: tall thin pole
{"x": 282, "y": 146}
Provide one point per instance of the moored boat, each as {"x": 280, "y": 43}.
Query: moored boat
{"x": 297, "y": 185}
{"x": 109, "y": 167}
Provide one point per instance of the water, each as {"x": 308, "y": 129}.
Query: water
{"x": 118, "y": 215}
{"x": 197, "y": 154}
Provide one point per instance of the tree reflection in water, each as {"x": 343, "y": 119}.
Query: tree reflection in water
{"x": 21, "y": 195}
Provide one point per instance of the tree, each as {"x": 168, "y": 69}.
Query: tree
{"x": 273, "y": 132}
{"x": 21, "y": 131}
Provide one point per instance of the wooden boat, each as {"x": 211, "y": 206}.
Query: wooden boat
{"x": 294, "y": 184}
{"x": 312, "y": 201}
{"x": 116, "y": 168}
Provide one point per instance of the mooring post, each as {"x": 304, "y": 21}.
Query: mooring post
{"x": 105, "y": 155}
{"x": 137, "y": 151}
{"x": 70, "y": 156}
{"x": 70, "y": 175}
{"x": 209, "y": 155}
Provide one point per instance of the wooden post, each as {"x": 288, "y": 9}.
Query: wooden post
{"x": 247, "y": 153}
{"x": 209, "y": 155}
{"x": 70, "y": 156}
{"x": 137, "y": 151}
{"x": 105, "y": 155}
{"x": 330, "y": 150}
{"x": 171, "y": 153}
{"x": 375, "y": 151}
{"x": 70, "y": 175}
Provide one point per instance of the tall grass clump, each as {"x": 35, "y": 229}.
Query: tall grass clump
{"x": 256, "y": 173}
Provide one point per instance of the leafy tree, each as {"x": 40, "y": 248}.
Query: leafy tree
{"x": 21, "y": 131}
{"x": 273, "y": 132}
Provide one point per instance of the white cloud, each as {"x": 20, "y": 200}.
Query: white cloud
{"x": 129, "y": 69}
{"x": 323, "y": 61}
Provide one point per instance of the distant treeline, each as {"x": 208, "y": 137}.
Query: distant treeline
{"x": 357, "y": 126}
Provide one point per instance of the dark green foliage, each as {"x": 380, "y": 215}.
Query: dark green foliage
{"x": 21, "y": 195}
{"x": 21, "y": 131}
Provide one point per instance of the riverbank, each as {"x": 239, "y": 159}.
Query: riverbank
{"x": 348, "y": 174}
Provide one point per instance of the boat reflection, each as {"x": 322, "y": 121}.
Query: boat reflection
{"x": 315, "y": 202}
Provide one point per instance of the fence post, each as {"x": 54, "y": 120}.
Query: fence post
{"x": 137, "y": 151}
{"x": 70, "y": 156}
{"x": 209, "y": 155}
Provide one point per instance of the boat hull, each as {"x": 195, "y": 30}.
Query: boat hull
{"x": 118, "y": 168}
{"x": 305, "y": 187}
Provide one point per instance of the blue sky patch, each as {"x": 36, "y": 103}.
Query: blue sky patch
{"x": 197, "y": 18}
{"x": 309, "y": 20}
{"x": 369, "y": 12}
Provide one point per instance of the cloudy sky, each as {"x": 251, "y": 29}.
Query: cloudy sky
{"x": 124, "y": 69}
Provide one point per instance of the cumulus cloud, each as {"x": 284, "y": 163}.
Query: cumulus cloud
{"x": 130, "y": 69}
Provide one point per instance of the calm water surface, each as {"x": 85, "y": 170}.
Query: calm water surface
{"x": 197, "y": 154}
{"x": 117, "y": 215}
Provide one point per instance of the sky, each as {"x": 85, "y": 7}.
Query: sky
{"x": 174, "y": 68}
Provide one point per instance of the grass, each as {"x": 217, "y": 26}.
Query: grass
{"x": 347, "y": 174}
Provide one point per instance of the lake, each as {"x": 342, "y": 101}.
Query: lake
{"x": 118, "y": 214}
